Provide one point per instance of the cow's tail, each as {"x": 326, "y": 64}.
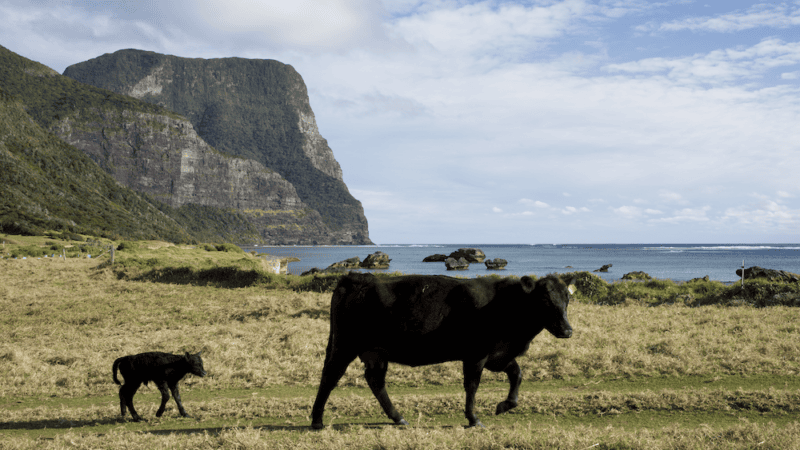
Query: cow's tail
{"x": 114, "y": 370}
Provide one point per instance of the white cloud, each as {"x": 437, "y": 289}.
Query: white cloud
{"x": 790, "y": 75}
{"x": 766, "y": 216}
{"x": 496, "y": 209}
{"x": 628, "y": 212}
{"x": 670, "y": 196}
{"x": 718, "y": 66}
{"x": 535, "y": 203}
{"x": 687, "y": 215}
{"x": 767, "y": 15}
{"x": 488, "y": 28}
{"x": 652, "y": 211}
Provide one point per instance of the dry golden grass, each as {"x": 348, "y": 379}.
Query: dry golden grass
{"x": 62, "y": 324}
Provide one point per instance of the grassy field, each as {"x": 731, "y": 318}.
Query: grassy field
{"x": 651, "y": 365}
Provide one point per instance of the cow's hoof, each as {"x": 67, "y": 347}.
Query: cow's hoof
{"x": 317, "y": 425}
{"x": 477, "y": 424}
{"x": 401, "y": 422}
{"x": 504, "y": 407}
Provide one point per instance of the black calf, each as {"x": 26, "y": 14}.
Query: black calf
{"x": 163, "y": 369}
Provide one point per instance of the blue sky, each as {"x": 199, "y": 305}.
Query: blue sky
{"x": 542, "y": 121}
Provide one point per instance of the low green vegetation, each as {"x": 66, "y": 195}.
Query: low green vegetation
{"x": 652, "y": 364}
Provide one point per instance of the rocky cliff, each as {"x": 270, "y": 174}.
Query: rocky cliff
{"x": 207, "y": 195}
{"x": 253, "y": 109}
{"x": 163, "y": 157}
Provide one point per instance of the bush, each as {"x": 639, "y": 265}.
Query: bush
{"x": 33, "y": 251}
{"x": 127, "y": 246}
{"x": 209, "y": 248}
{"x": 229, "y": 248}
{"x": 637, "y": 276}
{"x": 590, "y": 287}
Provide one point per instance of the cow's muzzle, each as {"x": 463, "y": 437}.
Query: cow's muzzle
{"x": 564, "y": 334}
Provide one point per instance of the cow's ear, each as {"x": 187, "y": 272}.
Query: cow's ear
{"x": 198, "y": 353}
{"x": 188, "y": 355}
{"x": 527, "y": 284}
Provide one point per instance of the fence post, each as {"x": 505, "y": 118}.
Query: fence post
{"x": 112, "y": 253}
{"x": 742, "y": 274}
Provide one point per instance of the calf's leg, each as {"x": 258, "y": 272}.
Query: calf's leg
{"x": 162, "y": 387}
{"x": 126, "y": 393}
{"x": 472, "y": 379}
{"x": 514, "y": 380}
{"x": 176, "y": 394}
{"x": 375, "y": 369}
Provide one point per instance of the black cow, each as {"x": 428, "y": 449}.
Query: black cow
{"x": 418, "y": 320}
{"x": 165, "y": 370}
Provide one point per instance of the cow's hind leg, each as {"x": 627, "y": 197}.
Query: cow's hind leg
{"x": 176, "y": 394}
{"x": 162, "y": 387}
{"x": 375, "y": 368}
{"x": 514, "y": 380}
{"x": 335, "y": 365}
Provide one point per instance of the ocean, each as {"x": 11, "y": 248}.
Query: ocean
{"x": 678, "y": 262}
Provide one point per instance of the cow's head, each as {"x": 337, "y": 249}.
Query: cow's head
{"x": 195, "y": 364}
{"x": 553, "y": 294}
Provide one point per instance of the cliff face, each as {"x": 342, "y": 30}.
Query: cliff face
{"x": 253, "y": 109}
{"x": 46, "y": 184}
{"x": 163, "y": 157}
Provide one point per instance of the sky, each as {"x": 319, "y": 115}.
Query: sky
{"x": 519, "y": 122}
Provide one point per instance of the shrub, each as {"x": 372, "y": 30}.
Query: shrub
{"x": 637, "y": 276}
{"x": 590, "y": 287}
{"x": 33, "y": 251}
{"x": 127, "y": 246}
{"x": 229, "y": 248}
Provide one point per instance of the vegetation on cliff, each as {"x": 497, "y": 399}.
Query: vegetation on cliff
{"x": 46, "y": 184}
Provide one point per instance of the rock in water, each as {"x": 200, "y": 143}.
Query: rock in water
{"x": 473, "y": 255}
{"x": 604, "y": 268}
{"x": 377, "y": 260}
{"x": 496, "y": 264}
{"x": 349, "y": 263}
{"x": 456, "y": 264}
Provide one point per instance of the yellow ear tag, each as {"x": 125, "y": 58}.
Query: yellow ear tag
{"x": 571, "y": 289}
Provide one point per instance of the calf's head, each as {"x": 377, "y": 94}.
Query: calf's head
{"x": 553, "y": 295}
{"x": 195, "y": 364}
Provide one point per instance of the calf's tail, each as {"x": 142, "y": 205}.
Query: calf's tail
{"x": 114, "y": 370}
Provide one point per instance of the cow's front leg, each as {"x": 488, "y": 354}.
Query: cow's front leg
{"x": 162, "y": 387}
{"x": 514, "y": 380}
{"x": 472, "y": 379}
{"x": 375, "y": 369}
{"x": 176, "y": 394}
